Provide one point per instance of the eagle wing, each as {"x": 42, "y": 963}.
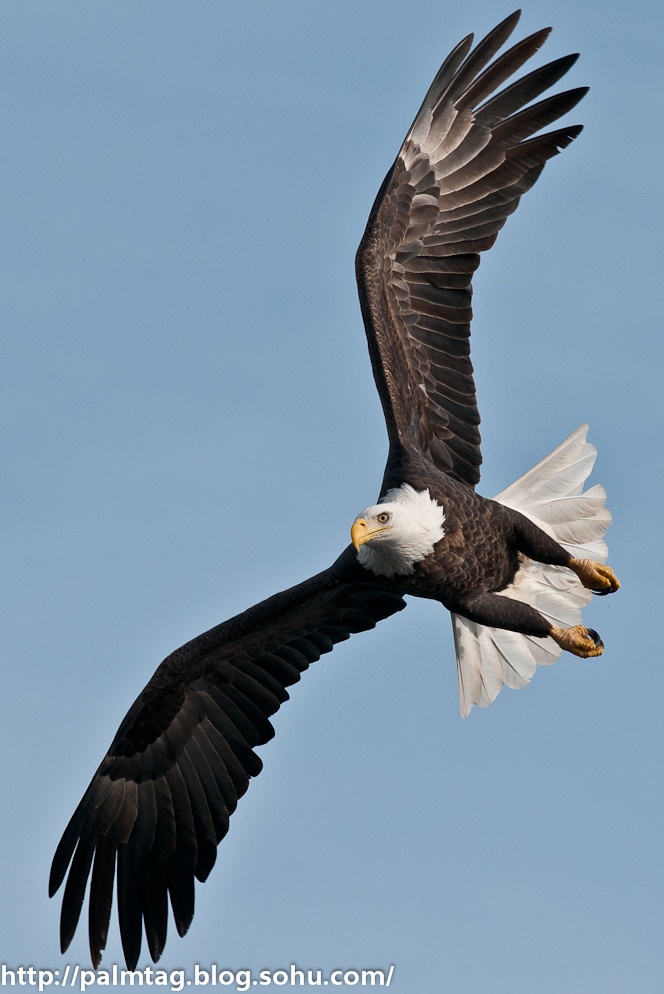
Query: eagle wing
{"x": 160, "y": 801}
{"x": 461, "y": 171}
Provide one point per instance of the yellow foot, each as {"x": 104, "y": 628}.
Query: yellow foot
{"x": 584, "y": 642}
{"x": 595, "y": 576}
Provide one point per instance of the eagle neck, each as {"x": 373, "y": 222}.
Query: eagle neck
{"x": 405, "y": 464}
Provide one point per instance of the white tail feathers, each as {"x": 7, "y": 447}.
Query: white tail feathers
{"x": 551, "y": 495}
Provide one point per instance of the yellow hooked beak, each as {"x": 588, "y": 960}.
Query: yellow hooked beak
{"x": 361, "y": 532}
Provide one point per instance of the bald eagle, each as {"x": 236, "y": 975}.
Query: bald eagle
{"x": 514, "y": 571}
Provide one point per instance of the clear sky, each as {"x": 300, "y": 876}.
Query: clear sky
{"x": 190, "y": 424}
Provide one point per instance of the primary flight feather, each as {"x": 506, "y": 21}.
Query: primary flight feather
{"x": 514, "y": 571}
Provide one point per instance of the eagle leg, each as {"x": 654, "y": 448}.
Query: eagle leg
{"x": 584, "y": 642}
{"x": 536, "y": 544}
{"x": 496, "y": 611}
{"x": 595, "y": 576}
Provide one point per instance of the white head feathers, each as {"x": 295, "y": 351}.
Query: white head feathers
{"x": 397, "y": 533}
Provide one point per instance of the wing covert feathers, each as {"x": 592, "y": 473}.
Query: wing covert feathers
{"x": 160, "y": 801}
{"x": 550, "y": 494}
{"x": 468, "y": 158}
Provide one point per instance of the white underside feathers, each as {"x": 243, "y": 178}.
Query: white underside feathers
{"x": 550, "y": 494}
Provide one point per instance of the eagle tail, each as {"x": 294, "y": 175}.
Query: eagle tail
{"x": 551, "y": 494}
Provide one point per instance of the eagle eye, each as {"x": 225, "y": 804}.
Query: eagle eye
{"x": 383, "y": 518}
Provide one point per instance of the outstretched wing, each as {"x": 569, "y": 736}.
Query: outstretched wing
{"x": 461, "y": 171}
{"x": 161, "y": 799}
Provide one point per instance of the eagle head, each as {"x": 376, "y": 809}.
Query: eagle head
{"x": 395, "y": 534}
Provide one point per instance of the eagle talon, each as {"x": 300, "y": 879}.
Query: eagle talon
{"x": 596, "y": 577}
{"x": 595, "y": 637}
{"x": 583, "y": 642}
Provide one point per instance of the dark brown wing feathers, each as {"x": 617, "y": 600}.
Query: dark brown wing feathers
{"x": 467, "y": 159}
{"x": 160, "y": 802}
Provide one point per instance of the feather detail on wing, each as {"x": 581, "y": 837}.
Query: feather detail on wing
{"x": 550, "y": 494}
{"x": 466, "y": 161}
{"x": 160, "y": 801}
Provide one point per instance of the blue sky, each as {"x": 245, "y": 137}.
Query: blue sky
{"x": 190, "y": 424}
